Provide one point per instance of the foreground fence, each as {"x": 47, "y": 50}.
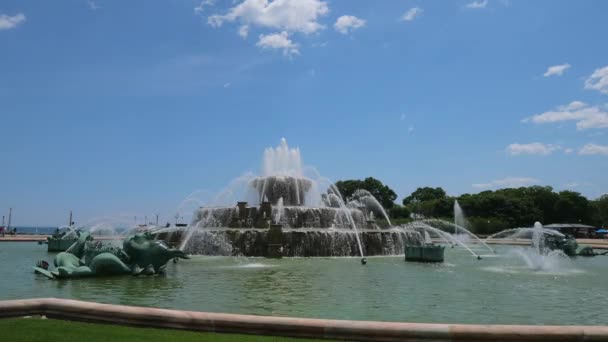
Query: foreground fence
{"x": 293, "y": 327}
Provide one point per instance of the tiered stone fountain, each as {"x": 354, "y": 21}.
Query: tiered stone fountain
{"x": 291, "y": 214}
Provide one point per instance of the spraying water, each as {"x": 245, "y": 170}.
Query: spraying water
{"x": 345, "y": 211}
{"x": 288, "y": 192}
{"x": 278, "y": 209}
{"x": 537, "y": 257}
{"x": 446, "y": 236}
{"x": 363, "y": 198}
{"x": 460, "y": 223}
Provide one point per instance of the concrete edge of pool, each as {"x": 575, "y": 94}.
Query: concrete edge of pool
{"x": 290, "y": 326}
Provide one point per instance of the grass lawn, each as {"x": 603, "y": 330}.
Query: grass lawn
{"x": 48, "y": 330}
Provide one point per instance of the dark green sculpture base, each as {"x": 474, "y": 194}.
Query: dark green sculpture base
{"x": 140, "y": 255}
{"x": 426, "y": 253}
{"x": 585, "y": 251}
{"x": 59, "y": 244}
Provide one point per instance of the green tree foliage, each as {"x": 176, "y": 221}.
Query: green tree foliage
{"x": 599, "y": 210}
{"x": 430, "y": 202}
{"x": 424, "y": 194}
{"x": 398, "y": 212}
{"x": 571, "y": 207}
{"x": 502, "y": 205}
{"x": 491, "y": 211}
{"x": 385, "y": 195}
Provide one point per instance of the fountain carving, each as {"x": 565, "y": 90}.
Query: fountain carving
{"x": 314, "y": 218}
{"x": 140, "y": 255}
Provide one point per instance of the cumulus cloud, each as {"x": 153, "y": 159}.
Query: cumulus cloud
{"x": 201, "y": 7}
{"x": 92, "y": 5}
{"x": 535, "y": 148}
{"x": 509, "y": 182}
{"x": 598, "y": 80}
{"x": 556, "y": 70}
{"x": 586, "y": 116}
{"x": 411, "y": 14}
{"x": 348, "y": 23}
{"x": 286, "y": 15}
{"x": 244, "y": 31}
{"x": 8, "y": 22}
{"x": 591, "y": 149}
{"x": 278, "y": 41}
{"x": 477, "y": 4}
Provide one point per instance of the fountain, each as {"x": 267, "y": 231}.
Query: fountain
{"x": 108, "y": 228}
{"x": 61, "y": 239}
{"x": 543, "y": 240}
{"x": 140, "y": 255}
{"x": 289, "y": 210}
{"x": 548, "y": 250}
{"x": 426, "y": 252}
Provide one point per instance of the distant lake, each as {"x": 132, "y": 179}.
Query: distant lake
{"x": 34, "y": 230}
{"x": 47, "y": 230}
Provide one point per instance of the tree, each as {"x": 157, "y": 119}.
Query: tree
{"x": 571, "y": 207}
{"x": 385, "y": 195}
{"x": 600, "y": 213}
{"x": 398, "y": 212}
{"x": 425, "y": 194}
{"x": 544, "y": 199}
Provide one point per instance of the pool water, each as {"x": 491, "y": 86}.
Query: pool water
{"x": 499, "y": 289}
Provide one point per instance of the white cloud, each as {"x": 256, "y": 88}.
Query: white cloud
{"x": 598, "y": 80}
{"x": 286, "y": 15}
{"x": 8, "y": 22}
{"x": 227, "y": 85}
{"x": 477, "y": 4}
{"x": 509, "y": 182}
{"x": 590, "y": 149}
{"x": 92, "y": 5}
{"x": 586, "y": 116}
{"x": 278, "y": 41}
{"x": 571, "y": 185}
{"x": 410, "y": 129}
{"x": 347, "y": 23}
{"x": 568, "y": 150}
{"x": 556, "y": 70}
{"x": 244, "y": 31}
{"x": 532, "y": 148}
{"x": 201, "y": 7}
{"x": 411, "y": 14}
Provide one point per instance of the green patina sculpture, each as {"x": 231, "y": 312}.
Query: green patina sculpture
{"x": 569, "y": 246}
{"x": 140, "y": 254}
{"x": 61, "y": 240}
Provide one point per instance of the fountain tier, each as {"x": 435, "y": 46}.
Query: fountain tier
{"x": 309, "y": 216}
{"x": 305, "y": 242}
{"x": 243, "y": 216}
{"x": 291, "y": 189}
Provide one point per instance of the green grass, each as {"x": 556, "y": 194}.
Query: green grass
{"x": 48, "y": 330}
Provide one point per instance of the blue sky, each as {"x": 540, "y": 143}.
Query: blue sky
{"x": 126, "y": 107}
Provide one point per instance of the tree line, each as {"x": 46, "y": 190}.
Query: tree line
{"x": 488, "y": 211}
